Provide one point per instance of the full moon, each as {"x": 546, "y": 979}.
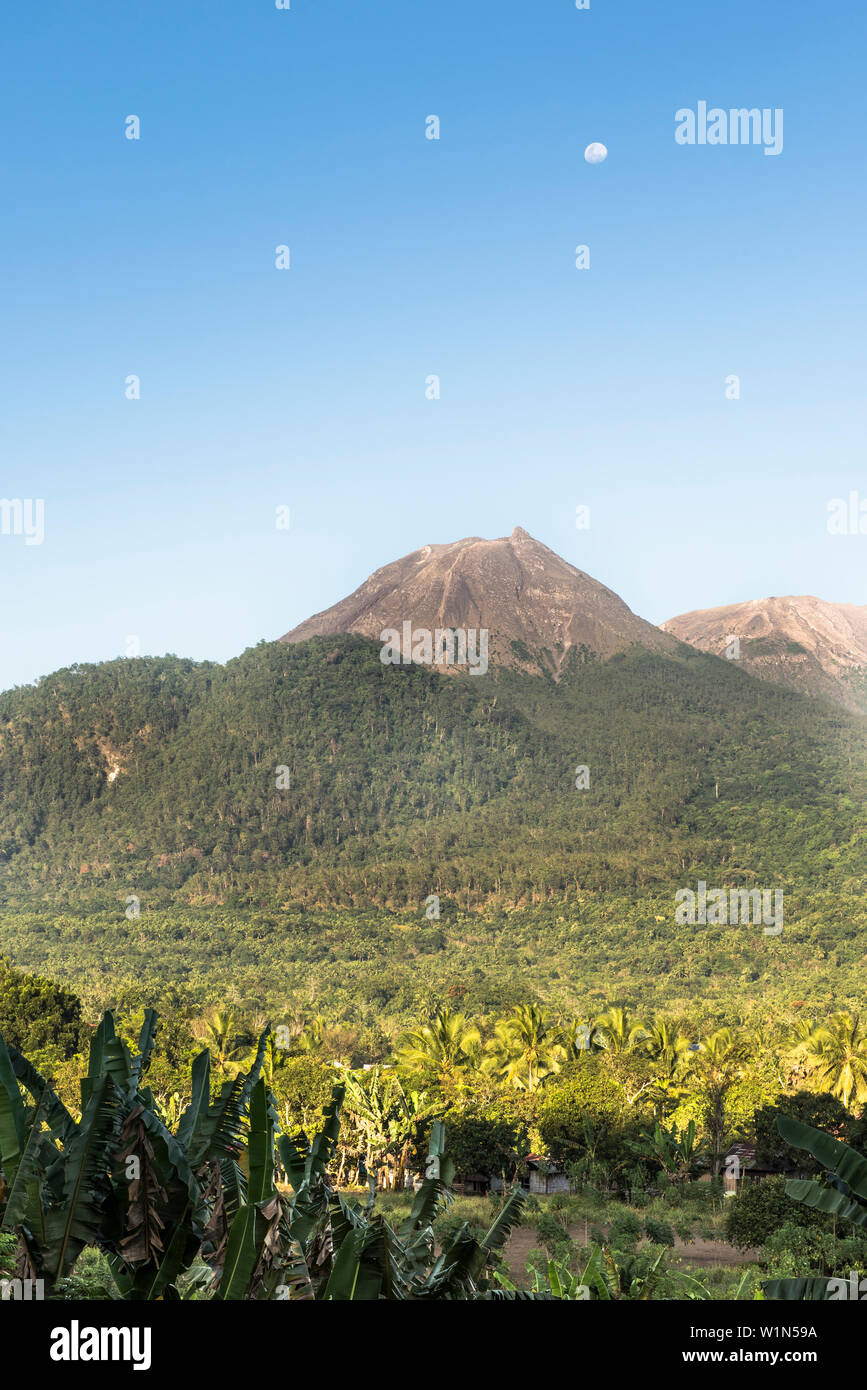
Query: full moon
{"x": 595, "y": 153}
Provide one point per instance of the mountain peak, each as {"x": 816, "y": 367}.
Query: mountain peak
{"x": 534, "y": 605}
{"x": 800, "y": 641}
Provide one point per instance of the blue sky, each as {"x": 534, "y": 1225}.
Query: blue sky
{"x": 411, "y": 257}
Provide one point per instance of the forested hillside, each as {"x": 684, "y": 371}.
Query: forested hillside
{"x": 159, "y": 777}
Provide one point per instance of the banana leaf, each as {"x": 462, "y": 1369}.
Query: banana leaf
{"x": 508, "y": 1217}
{"x": 13, "y": 1134}
{"x": 109, "y": 1055}
{"x": 829, "y": 1199}
{"x": 243, "y": 1249}
{"x": 260, "y": 1146}
{"x": 839, "y": 1158}
{"x": 182, "y": 1214}
{"x": 434, "y": 1192}
{"x": 190, "y": 1120}
{"x": 23, "y": 1202}
{"x": 812, "y": 1290}
{"x": 60, "y": 1123}
{"x": 79, "y": 1218}
{"x": 345, "y": 1269}
{"x": 147, "y": 1038}
{"x": 455, "y": 1273}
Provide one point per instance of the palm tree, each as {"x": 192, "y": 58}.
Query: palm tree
{"x": 793, "y": 1050}
{"x": 617, "y": 1033}
{"x": 837, "y": 1055}
{"x": 440, "y": 1051}
{"x": 525, "y": 1048}
{"x": 577, "y": 1038}
{"x": 311, "y": 1037}
{"x": 713, "y": 1067}
{"x": 217, "y": 1032}
{"x": 666, "y": 1046}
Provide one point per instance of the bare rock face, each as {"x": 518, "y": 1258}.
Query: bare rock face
{"x": 534, "y": 605}
{"x": 804, "y": 643}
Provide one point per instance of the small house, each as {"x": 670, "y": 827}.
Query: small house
{"x": 474, "y": 1184}
{"x": 545, "y": 1177}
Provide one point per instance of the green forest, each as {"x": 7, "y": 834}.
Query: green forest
{"x": 222, "y": 1155}
{"x": 159, "y": 777}
{"x": 294, "y": 929}
{"x": 428, "y": 843}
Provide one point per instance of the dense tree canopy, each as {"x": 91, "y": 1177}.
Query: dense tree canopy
{"x": 161, "y": 779}
{"x": 37, "y": 1013}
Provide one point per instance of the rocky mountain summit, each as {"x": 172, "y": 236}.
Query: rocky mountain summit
{"x": 535, "y": 606}
{"x": 805, "y": 643}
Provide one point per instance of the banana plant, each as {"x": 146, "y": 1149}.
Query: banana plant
{"x": 357, "y": 1256}
{"x": 556, "y": 1282}
{"x": 841, "y": 1192}
{"x": 55, "y": 1186}
{"x": 118, "y": 1179}
{"x": 676, "y": 1151}
{"x": 261, "y": 1257}
{"x": 155, "y": 1201}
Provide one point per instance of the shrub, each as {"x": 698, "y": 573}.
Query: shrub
{"x": 8, "y": 1247}
{"x": 625, "y": 1231}
{"x": 760, "y": 1208}
{"x": 551, "y": 1232}
{"x": 447, "y": 1228}
{"x": 796, "y": 1252}
{"x": 658, "y": 1231}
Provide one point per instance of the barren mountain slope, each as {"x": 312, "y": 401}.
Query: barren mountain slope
{"x": 802, "y": 642}
{"x": 535, "y": 605}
